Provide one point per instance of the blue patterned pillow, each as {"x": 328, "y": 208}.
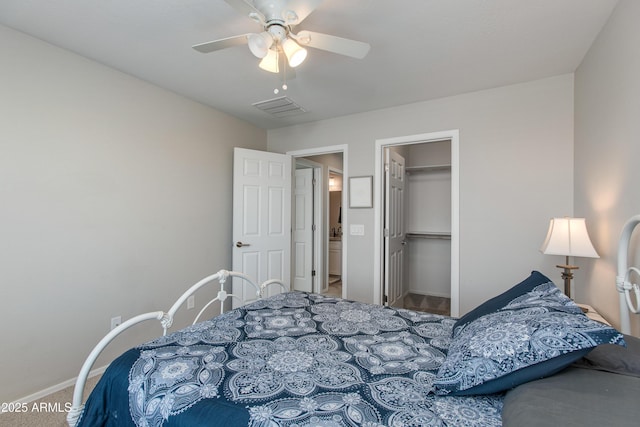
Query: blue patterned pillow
{"x": 534, "y": 335}
{"x": 496, "y": 303}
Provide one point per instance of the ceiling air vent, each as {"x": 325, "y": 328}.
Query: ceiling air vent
{"x": 280, "y": 107}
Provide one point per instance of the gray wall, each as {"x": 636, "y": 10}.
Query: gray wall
{"x": 516, "y": 150}
{"x": 115, "y": 197}
{"x": 607, "y": 153}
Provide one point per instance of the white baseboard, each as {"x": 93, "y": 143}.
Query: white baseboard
{"x": 55, "y": 388}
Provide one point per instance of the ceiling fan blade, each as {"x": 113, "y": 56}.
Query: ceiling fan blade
{"x": 212, "y": 46}
{"x": 347, "y": 47}
{"x": 246, "y": 8}
{"x": 302, "y": 9}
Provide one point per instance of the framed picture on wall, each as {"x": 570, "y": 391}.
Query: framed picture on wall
{"x": 361, "y": 192}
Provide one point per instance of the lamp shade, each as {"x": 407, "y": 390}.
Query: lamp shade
{"x": 295, "y": 53}
{"x": 568, "y": 237}
{"x": 270, "y": 62}
{"x": 259, "y": 44}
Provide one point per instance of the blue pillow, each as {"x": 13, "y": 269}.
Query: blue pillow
{"x": 496, "y": 303}
{"x": 533, "y": 331}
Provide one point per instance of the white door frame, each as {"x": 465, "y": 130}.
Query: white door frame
{"x": 454, "y": 136}
{"x": 344, "y": 149}
{"x": 340, "y": 172}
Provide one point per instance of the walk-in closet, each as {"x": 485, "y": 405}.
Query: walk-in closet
{"x": 428, "y": 224}
{"x": 426, "y": 283}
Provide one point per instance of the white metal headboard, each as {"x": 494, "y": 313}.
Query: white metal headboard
{"x": 623, "y": 285}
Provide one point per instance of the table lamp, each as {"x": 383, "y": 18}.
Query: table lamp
{"x": 568, "y": 237}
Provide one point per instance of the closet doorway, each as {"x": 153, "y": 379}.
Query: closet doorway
{"x": 335, "y": 232}
{"x": 417, "y": 222}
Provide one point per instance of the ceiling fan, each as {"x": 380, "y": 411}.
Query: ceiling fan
{"x": 277, "y": 18}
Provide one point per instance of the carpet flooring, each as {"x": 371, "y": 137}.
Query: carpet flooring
{"x": 430, "y": 304}
{"x": 50, "y": 411}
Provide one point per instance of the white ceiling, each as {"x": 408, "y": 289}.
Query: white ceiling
{"x": 420, "y": 49}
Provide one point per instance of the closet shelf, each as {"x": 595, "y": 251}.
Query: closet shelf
{"x": 433, "y": 168}
{"x": 445, "y": 235}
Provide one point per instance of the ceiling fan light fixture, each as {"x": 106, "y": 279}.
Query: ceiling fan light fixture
{"x": 259, "y": 44}
{"x": 295, "y": 54}
{"x": 270, "y": 62}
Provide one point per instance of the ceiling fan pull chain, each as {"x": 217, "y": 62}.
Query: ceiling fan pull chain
{"x": 284, "y": 72}
{"x": 284, "y": 77}
{"x": 276, "y": 90}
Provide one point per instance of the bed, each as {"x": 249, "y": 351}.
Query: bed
{"x": 527, "y": 357}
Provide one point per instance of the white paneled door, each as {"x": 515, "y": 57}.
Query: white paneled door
{"x": 303, "y": 231}
{"x": 394, "y": 228}
{"x": 261, "y": 218}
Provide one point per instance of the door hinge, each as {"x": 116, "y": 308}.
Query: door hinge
{"x": 385, "y": 299}
{"x": 386, "y": 167}
{"x": 313, "y": 227}
{"x": 386, "y": 232}
{"x": 313, "y": 273}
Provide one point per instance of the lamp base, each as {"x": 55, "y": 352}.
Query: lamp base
{"x": 567, "y": 275}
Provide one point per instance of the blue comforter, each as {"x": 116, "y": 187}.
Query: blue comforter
{"x": 295, "y": 359}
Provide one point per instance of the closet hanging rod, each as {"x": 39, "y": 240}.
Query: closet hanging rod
{"x": 428, "y": 235}
{"x": 431, "y": 168}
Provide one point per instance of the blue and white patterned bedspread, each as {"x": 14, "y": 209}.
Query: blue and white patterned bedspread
{"x": 296, "y": 359}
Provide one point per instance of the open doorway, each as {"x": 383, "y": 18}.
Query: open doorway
{"x": 402, "y": 227}
{"x": 328, "y": 266}
{"x": 335, "y": 232}
{"x": 419, "y": 245}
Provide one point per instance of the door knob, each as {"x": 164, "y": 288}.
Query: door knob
{"x": 240, "y": 244}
